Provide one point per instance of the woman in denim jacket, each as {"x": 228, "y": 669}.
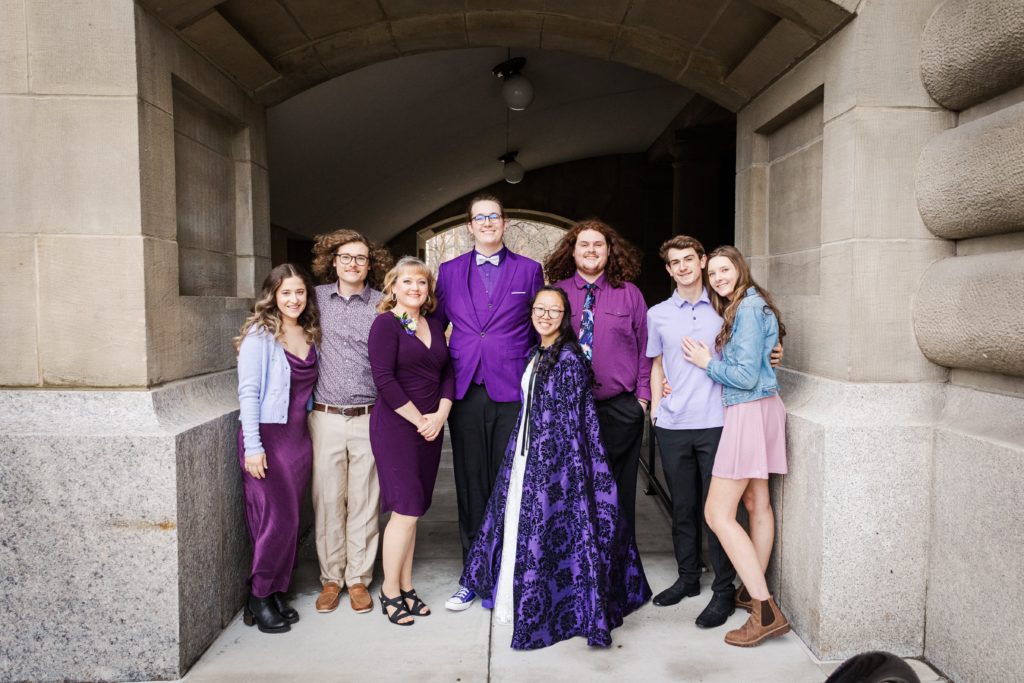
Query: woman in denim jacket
{"x": 277, "y": 368}
{"x": 753, "y": 443}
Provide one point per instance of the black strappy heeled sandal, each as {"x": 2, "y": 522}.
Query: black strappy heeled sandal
{"x": 417, "y": 605}
{"x": 401, "y": 611}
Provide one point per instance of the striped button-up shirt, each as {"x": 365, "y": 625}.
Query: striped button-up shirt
{"x": 345, "y": 378}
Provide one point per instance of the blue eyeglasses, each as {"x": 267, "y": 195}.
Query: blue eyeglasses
{"x": 480, "y": 219}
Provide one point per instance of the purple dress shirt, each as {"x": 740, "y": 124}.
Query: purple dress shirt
{"x": 482, "y": 281}
{"x": 620, "y": 360}
{"x": 696, "y": 399}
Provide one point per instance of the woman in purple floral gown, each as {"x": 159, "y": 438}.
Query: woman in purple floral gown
{"x": 554, "y": 554}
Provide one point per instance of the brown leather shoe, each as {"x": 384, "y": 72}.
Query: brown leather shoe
{"x": 766, "y": 621}
{"x": 329, "y": 597}
{"x": 743, "y": 599}
{"x": 360, "y": 598}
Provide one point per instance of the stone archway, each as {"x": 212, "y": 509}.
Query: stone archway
{"x": 726, "y": 51}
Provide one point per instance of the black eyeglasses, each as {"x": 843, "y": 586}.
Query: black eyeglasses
{"x": 480, "y": 218}
{"x": 349, "y": 258}
{"x": 540, "y": 312}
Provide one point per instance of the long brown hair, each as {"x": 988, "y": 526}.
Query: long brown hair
{"x": 327, "y": 244}
{"x": 727, "y": 307}
{"x": 387, "y": 302}
{"x": 265, "y": 314}
{"x": 623, "y": 257}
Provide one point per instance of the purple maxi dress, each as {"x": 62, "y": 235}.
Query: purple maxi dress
{"x": 404, "y": 370}
{"x": 272, "y": 504}
{"x": 577, "y": 570}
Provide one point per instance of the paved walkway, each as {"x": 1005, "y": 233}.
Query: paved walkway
{"x": 655, "y": 643}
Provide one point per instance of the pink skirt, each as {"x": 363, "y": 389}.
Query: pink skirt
{"x": 753, "y": 443}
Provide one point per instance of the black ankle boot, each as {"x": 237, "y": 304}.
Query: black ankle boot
{"x": 287, "y": 611}
{"x": 263, "y": 612}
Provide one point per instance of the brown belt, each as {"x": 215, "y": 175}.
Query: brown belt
{"x": 341, "y": 410}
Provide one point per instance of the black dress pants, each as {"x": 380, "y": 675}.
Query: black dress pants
{"x": 622, "y": 430}
{"x": 480, "y": 430}
{"x": 687, "y": 458}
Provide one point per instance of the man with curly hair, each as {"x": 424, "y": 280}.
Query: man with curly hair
{"x": 346, "y": 494}
{"x": 595, "y": 266}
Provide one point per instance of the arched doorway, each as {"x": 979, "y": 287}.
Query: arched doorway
{"x": 530, "y": 233}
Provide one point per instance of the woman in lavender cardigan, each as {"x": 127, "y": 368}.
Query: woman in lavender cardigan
{"x": 277, "y": 369}
{"x": 554, "y": 554}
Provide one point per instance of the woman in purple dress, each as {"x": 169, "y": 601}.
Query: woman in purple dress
{"x": 277, "y": 368}
{"x": 555, "y": 555}
{"x": 415, "y": 385}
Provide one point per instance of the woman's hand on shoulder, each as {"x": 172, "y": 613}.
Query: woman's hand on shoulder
{"x": 256, "y": 465}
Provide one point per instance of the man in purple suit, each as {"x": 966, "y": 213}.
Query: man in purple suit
{"x": 485, "y": 294}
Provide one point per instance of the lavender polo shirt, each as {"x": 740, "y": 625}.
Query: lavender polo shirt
{"x": 345, "y": 377}
{"x": 696, "y": 399}
{"x": 620, "y": 336}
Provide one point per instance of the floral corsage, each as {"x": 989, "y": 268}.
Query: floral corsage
{"x": 408, "y": 324}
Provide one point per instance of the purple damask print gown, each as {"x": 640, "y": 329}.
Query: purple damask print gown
{"x": 577, "y": 569}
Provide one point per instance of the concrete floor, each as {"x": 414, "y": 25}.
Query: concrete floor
{"x": 654, "y": 644}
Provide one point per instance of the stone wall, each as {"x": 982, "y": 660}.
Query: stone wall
{"x": 825, "y": 204}
{"x": 904, "y": 302}
{"x": 124, "y": 155}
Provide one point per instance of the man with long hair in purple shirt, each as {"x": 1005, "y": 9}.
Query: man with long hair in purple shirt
{"x": 595, "y": 266}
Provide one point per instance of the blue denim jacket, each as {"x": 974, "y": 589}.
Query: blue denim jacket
{"x": 745, "y": 371}
{"x": 264, "y": 386}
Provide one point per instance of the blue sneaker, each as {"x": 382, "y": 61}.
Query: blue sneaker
{"x": 460, "y": 600}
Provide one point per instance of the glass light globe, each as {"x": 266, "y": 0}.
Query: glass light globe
{"x": 513, "y": 172}
{"x": 518, "y": 92}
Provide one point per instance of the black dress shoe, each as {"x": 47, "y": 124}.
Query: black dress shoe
{"x": 263, "y": 613}
{"x": 676, "y": 592}
{"x": 287, "y": 611}
{"x": 720, "y": 608}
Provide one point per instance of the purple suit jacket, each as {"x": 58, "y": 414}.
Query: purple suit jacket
{"x": 500, "y": 343}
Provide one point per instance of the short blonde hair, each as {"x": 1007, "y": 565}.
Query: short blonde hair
{"x": 387, "y": 302}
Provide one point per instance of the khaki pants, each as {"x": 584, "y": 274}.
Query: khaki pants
{"x": 346, "y": 498}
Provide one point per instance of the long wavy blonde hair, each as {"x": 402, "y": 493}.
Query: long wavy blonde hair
{"x": 387, "y": 302}
{"x": 265, "y": 314}
{"x": 727, "y": 307}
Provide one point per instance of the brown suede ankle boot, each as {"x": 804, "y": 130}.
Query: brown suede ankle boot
{"x": 743, "y": 599}
{"x": 766, "y": 621}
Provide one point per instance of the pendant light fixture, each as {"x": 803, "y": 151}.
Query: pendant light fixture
{"x": 517, "y": 91}
{"x": 511, "y": 169}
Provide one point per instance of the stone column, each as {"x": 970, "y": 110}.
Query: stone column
{"x": 125, "y": 551}
{"x": 969, "y": 316}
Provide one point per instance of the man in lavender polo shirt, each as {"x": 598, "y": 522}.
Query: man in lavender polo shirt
{"x": 593, "y": 260}
{"x": 688, "y": 425}
{"x": 346, "y": 494}
{"x": 485, "y": 294}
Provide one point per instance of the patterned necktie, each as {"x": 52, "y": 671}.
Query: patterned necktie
{"x": 493, "y": 260}
{"x": 587, "y": 322}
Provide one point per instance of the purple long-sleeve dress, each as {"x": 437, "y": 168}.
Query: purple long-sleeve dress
{"x": 577, "y": 569}
{"x": 404, "y": 370}
{"x": 272, "y": 504}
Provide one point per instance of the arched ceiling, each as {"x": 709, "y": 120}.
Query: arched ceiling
{"x": 726, "y": 50}
{"x": 379, "y": 148}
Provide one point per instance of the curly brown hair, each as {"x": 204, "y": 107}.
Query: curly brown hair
{"x": 387, "y": 302}
{"x": 265, "y": 314}
{"x": 727, "y": 307}
{"x": 623, "y": 257}
{"x": 327, "y": 244}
